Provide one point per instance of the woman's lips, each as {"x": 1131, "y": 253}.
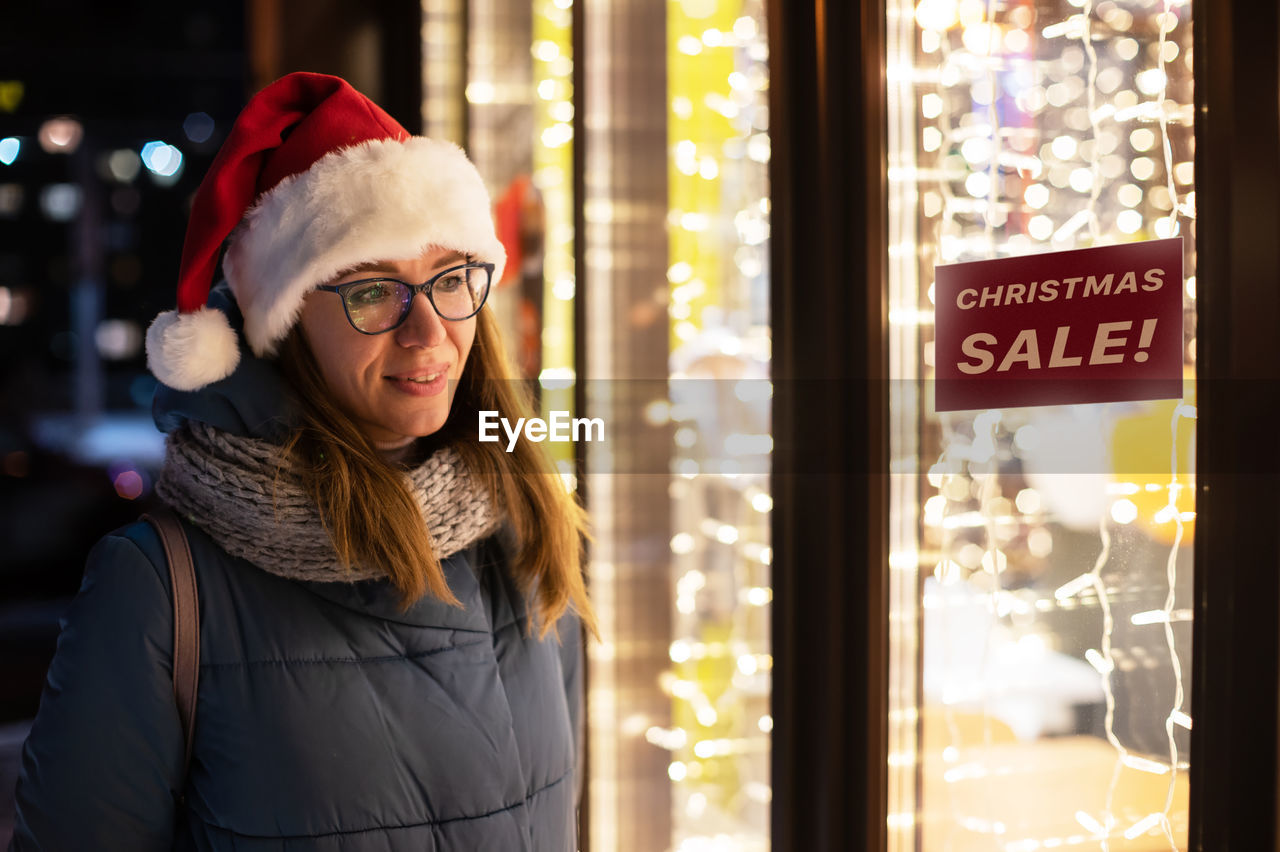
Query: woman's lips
{"x": 419, "y": 383}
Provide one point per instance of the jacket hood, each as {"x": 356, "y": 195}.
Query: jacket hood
{"x": 253, "y": 402}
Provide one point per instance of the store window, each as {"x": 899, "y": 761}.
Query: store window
{"x": 498, "y": 80}
{"x": 655, "y": 319}
{"x": 1041, "y": 569}
{"x": 677, "y": 331}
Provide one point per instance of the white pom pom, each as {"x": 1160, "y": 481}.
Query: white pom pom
{"x": 188, "y": 351}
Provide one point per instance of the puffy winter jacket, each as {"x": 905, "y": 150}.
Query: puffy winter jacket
{"x": 326, "y": 719}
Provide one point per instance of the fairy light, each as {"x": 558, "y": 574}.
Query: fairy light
{"x": 993, "y": 118}
{"x": 1176, "y": 713}
{"x": 1143, "y": 765}
{"x": 1095, "y": 129}
{"x": 1166, "y": 20}
{"x": 1142, "y": 826}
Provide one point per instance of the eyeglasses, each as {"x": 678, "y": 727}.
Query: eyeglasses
{"x": 377, "y": 305}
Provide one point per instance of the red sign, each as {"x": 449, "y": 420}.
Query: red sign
{"x": 1089, "y": 325}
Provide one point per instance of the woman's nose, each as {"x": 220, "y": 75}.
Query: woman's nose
{"x": 423, "y": 327}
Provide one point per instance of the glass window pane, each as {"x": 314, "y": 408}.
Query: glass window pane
{"x": 676, "y": 249}
{"x": 1041, "y": 557}
{"x": 519, "y": 110}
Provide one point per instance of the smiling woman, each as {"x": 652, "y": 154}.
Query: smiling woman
{"x": 380, "y": 593}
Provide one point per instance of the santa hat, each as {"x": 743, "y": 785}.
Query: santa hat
{"x": 313, "y": 179}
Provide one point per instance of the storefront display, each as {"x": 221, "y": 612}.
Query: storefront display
{"x": 1040, "y": 564}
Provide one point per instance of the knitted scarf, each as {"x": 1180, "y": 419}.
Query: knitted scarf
{"x": 227, "y": 486}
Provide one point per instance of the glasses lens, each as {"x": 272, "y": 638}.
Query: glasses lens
{"x": 375, "y": 306}
{"x": 460, "y": 294}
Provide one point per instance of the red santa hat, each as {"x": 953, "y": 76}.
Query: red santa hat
{"x": 313, "y": 179}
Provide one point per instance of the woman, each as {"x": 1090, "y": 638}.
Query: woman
{"x": 380, "y": 593}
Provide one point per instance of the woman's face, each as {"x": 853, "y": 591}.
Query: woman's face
{"x": 397, "y": 385}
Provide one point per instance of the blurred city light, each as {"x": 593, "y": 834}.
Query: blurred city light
{"x": 60, "y": 201}
{"x": 118, "y": 339}
{"x": 61, "y": 135}
{"x": 129, "y": 484}
{"x": 13, "y": 306}
{"x": 123, "y": 165}
{"x": 129, "y": 480}
{"x": 109, "y": 438}
{"x": 9, "y": 148}
{"x": 10, "y": 95}
{"x": 198, "y": 126}
{"x": 11, "y": 196}
{"x": 161, "y": 158}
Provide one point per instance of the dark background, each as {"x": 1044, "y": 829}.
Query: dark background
{"x": 72, "y": 420}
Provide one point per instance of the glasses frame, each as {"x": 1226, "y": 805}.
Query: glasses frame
{"x": 414, "y": 289}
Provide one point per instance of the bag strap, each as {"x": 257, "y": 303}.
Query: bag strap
{"x": 186, "y": 620}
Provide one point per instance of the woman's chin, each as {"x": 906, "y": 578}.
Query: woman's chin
{"x": 419, "y": 426}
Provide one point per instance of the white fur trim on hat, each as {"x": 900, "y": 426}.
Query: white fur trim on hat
{"x": 378, "y": 200}
{"x": 188, "y": 351}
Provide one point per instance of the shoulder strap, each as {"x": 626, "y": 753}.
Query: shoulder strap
{"x": 186, "y": 620}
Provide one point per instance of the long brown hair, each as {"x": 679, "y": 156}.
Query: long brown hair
{"x": 374, "y": 520}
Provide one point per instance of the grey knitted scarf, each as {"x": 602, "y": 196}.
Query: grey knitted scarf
{"x": 227, "y": 486}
